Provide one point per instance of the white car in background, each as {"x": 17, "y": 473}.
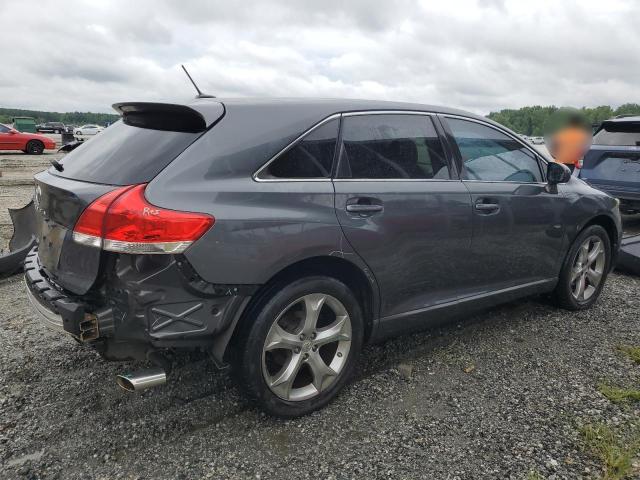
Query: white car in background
{"x": 88, "y": 130}
{"x": 537, "y": 140}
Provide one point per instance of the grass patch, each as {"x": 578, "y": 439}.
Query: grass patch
{"x": 632, "y": 352}
{"x": 619, "y": 395}
{"x": 534, "y": 475}
{"x": 615, "y": 449}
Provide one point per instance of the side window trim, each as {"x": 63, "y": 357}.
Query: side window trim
{"x": 448, "y": 153}
{"x": 256, "y": 175}
{"x": 540, "y": 160}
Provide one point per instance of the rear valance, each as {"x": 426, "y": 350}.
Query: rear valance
{"x": 161, "y": 116}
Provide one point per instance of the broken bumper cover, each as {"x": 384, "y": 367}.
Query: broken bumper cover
{"x": 145, "y": 304}
{"x": 54, "y": 308}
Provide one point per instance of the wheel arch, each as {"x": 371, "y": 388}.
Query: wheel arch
{"x": 364, "y": 288}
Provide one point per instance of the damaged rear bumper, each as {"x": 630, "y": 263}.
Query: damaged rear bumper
{"x": 141, "y": 306}
{"x": 54, "y": 308}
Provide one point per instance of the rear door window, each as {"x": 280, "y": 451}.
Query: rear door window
{"x": 311, "y": 157}
{"x": 490, "y": 155}
{"x": 123, "y": 155}
{"x": 391, "y": 146}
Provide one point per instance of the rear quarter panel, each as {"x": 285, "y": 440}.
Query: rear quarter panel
{"x": 260, "y": 228}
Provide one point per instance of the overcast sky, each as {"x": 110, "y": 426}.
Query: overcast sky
{"x": 479, "y": 55}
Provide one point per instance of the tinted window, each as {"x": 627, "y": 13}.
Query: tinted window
{"x": 491, "y": 155}
{"x": 309, "y": 158}
{"x": 123, "y": 155}
{"x": 391, "y": 146}
{"x": 4, "y": 129}
{"x": 618, "y": 133}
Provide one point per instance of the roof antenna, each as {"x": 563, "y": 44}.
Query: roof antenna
{"x": 200, "y": 94}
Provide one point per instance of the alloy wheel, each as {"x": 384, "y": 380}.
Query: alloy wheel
{"x": 306, "y": 347}
{"x": 588, "y": 268}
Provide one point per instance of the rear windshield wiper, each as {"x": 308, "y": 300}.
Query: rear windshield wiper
{"x": 57, "y": 165}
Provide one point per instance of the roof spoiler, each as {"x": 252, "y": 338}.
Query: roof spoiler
{"x": 161, "y": 116}
{"x": 620, "y": 126}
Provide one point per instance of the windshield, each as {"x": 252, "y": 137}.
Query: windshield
{"x": 124, "y": 155}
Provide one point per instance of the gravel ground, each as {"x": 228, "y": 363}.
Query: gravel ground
{"x": 498, "y": 395}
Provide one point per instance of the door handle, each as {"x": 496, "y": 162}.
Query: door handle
{"x": 487, "y": 207}
{"x": 363, "y": 208}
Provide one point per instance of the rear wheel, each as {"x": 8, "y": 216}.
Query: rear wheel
{"x": 35, "y": 147}
{"x": 302, "y": 346}
{"x": 585, "y": 269}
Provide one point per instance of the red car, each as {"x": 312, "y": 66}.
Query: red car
{"x": 11, "y": 139}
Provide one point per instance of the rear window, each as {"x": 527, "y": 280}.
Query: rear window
{"x": 123, "y": 155}
{"x": 312, "y": 157}
{"x": 618, "y": 134}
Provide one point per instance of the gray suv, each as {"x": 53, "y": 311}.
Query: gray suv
{"x": 281, "y": 235}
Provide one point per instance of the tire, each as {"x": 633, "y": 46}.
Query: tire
{"x": 289, "y": 364}
{"x": 579, "y": 291}
{"x": 35, "y": 147}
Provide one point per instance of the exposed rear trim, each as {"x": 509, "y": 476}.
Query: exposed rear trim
{"x": 49, "y": 318}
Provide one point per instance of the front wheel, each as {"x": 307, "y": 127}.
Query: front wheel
{"x": 585, "y": 269}
{"x": 301, "y": 347}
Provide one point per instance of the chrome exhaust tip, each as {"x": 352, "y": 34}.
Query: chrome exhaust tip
{"x": 142, "y": 379}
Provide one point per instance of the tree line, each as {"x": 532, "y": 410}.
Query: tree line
{"x": 70, "y": 118}
{"x": 526, "y": 120}
{"x": 536, "y": 120}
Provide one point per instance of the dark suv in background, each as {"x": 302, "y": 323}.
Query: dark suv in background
{"x": 281, "y": 235}
{"x": 52, "y": 127}
{"x": 612, "y": 164}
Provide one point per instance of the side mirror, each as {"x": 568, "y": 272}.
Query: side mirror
{"x": 557, "y": 173}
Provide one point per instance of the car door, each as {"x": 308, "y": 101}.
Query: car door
{"x": 8, "y": 141}
{"x": 403, "y": 209}
{"x": 517, "y": 226}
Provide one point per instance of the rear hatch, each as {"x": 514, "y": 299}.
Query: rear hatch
{"x": 131, "y": 151}
{"x": 612, "y": 163}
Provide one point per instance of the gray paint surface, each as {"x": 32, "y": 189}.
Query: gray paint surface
{"x": 427, "y": 254}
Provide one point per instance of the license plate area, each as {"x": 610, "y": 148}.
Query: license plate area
{"x": 51, "y": 240}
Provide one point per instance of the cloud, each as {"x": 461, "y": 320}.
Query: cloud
{"x": 477, "y": 55}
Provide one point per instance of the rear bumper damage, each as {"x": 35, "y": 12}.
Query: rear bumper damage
{"x": 22, "y": 241}
{"x": 143, "y": 306}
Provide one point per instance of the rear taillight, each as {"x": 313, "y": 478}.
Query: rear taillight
{"x": 579, "y": 163}
{"x": 123, "y": 221}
